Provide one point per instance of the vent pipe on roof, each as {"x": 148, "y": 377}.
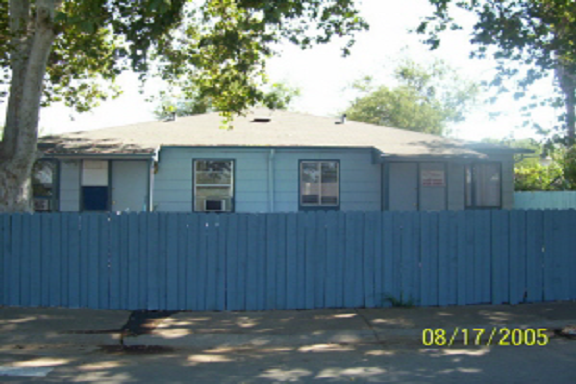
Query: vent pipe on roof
{"x": 342, "y": 120}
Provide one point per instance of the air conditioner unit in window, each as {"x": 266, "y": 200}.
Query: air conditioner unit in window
{"x": 41, "y": 205}
{"x": 214, "y": 205}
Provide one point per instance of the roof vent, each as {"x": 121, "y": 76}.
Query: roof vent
{"x": 262, "y": 120}
{"x": 171, "y": 117}
{"x": 342, "y": 120}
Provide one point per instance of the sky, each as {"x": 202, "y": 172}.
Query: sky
{"x": 324, "y": 76}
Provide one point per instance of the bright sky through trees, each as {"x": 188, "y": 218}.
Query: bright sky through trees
{"x": 323, "y": 76}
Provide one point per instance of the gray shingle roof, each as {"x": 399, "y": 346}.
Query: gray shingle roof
{"x": 285, "y": 129}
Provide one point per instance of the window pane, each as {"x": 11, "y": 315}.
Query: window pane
{"x": 95, "y": 173}
{"x": 310, "y": 173}
{"x": 329, "y": 183}
{"x": 213, "y": 172}
{"x": 43, "y": 175}
{"x": 487, "y": 185}
{"x": 310, "y": 183}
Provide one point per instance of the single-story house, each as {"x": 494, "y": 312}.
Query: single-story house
{"x": 271, "y": 161}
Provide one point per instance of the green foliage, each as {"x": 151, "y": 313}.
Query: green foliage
{"x": 216, "y": 48}
{"x": 426, "y": 99}
{"x": 538, "y": 34}
{"x": 531, "y": 175}
{"x": 278, "y": 96}
{"x": 400, "y": 302}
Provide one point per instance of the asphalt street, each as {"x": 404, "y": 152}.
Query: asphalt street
{"x": 530, "y": 343}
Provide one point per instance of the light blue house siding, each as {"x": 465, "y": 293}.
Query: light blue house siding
{"x": 69, "y": 194}
{"x": 266, "y": 180}
{"x": 128, "y": 184}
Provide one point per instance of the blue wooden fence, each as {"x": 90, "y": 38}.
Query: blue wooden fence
{"x": 286, "y": 261}
{"x": 545, "y": 200}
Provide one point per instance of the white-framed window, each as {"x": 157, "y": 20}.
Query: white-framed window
{"x": 44, "y": 185}
{"x": 319, "y": 184}
{"x": 213, "y": 185}
{"x": 483, "y": 185}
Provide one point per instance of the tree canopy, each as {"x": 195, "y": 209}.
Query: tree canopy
{"x": 426, "y": 99}
{"x": 73, "y": 50}
{"x": 277, "y": 96}
{"x": 540, "y": 35}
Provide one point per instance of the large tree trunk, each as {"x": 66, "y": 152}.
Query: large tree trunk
{"x": 32, "y": 43}
{"x": 567, "y": 83}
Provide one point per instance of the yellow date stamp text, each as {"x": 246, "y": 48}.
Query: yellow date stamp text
{"x": 439, "y": 337}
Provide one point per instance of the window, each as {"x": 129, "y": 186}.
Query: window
{"x": 95, "y": 191}
{"x": 43, "y": 185}
{"x": 319, "y": 184}
{"x": 483, "y": 185}
{"x": 213, "y": 185}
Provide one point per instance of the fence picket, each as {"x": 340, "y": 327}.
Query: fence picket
{"x": 517, "y": 256}
{"x": 74, "y": 259}
{"x": 272, "y": 239}
{"x": 291, "y": 261}
{"x": 211, "y": 260}
{"x": 281, "y": 262}
{"x": 4, "y": 234}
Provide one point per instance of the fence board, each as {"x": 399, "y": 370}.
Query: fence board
{"x": 35, "y": 263}
{"x": 162, "y": 260}
{"x": 281, "y": 266}
{"x": 221, "y": 264}
{"x": 117, "y": 249}
{"x": 470, "y": 257}
{"x": 242, "y": 261}
{"x": 74, "y": 258}
{"x": 349, "y": 262}
{"x": 4, "y": 252}
{"x": 461, "y": 259}
{"x": 134, "y": 267}
{"x": 14, "y": 271}
{"x": 407, "y": 259}
{"x": 252, "y": 269}
{"x": 291, "y": 261}
{"x": 330, "y": 283}
{"x": 272, "y": 239}
{"x": 535, "y": 256}
{"x": 232, "y": 265}
{"x": 443, "y": 260}
{"x": 311, "y": 255}
{"x": 183, "y": 261}
{"x": 141, "y": 254}
{"x": 319, "y": 266}
{"x": 566, "y": 254}
{"x": 369, "y": 267}
{"x": 211, "y": 260}
{"x": 300, "y": 286}
{"x": 172, "y": 258}
{"x": 499, "y": 257}
{"x": 25, "y": 263}
{"x": 56, "y": 263}
{"x": 517, "y": 256}
{"x": 388, "y": 262}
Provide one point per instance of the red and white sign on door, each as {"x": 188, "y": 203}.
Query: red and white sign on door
{"x": 434, "y": 178}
